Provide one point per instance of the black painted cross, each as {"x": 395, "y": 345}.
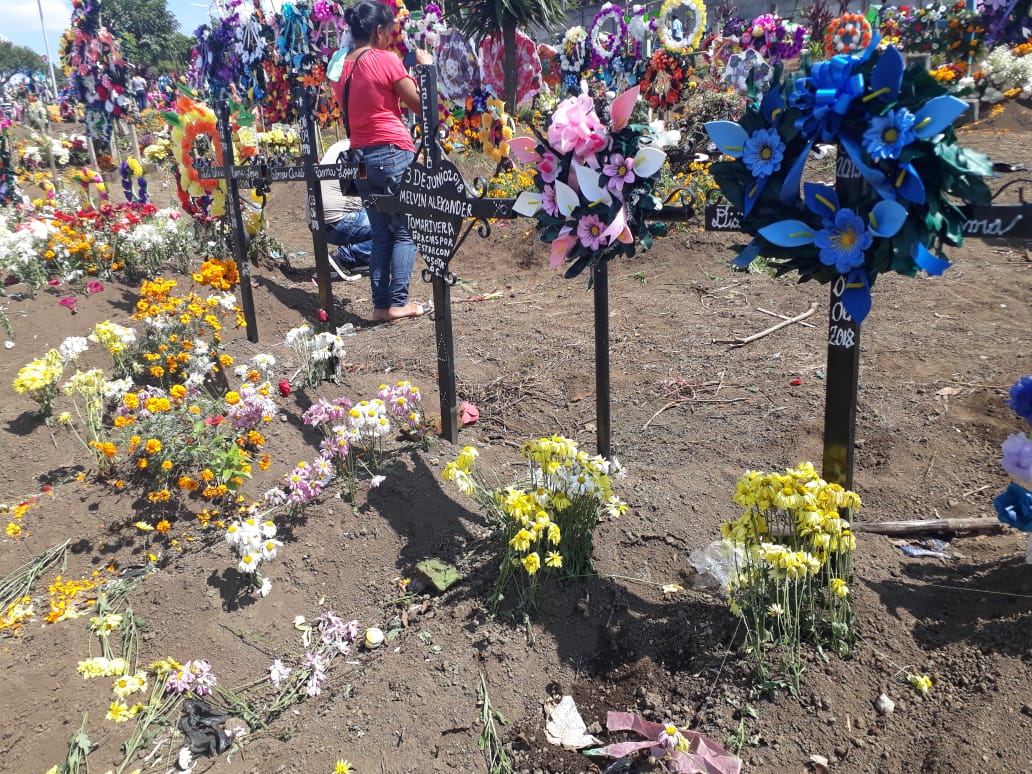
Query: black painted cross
{"x": 310, "y": 171}
{"x": 435, "y": 200}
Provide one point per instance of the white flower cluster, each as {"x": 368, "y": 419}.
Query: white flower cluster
{"x": 72, "y": 347}
{"x": 199, "y": 366}
{"x": 367, "y": 421}
{"x": 254, "y": 542}
{"x": 318, "y": 352}
{"x": 262, "y": 363}
{"x": 1004, "y": 72}
{"x": 21, "y": 244}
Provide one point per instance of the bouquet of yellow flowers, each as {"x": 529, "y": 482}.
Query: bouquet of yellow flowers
{"x": 547, "y": 519}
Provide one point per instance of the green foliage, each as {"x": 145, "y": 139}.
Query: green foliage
{"x": 149, "y": 32}
{"x": 15, "y": 59}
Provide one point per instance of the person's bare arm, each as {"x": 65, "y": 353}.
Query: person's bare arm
{"x": 408, "y": 93}
{"x": 406, "y": 87}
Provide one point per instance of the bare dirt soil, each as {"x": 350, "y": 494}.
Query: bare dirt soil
{"x": 689, "y": 416}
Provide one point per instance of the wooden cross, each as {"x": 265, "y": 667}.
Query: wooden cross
{"x": 435, "y": 201}
{"x": 310, "y": 171}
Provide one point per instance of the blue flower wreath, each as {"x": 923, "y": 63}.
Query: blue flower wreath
{"x": 894, "y": 125}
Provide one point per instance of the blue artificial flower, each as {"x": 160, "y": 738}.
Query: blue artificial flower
{"x": 843, "y": 240}
{"x": 1021, "y": 398}
{"x": 889, "y": 134}
{"x": 763, "y": 152}
{"x": 826, "y": 96}
{"x": 1017, "y": 456}
{"x": 1014, "y": 507}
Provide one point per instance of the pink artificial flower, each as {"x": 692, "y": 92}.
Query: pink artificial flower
{"x": 620, "y": 171}
{"x": 548, "y": 202}
{"x": 590, "y": 229}
{"x": 94, "y": 287}
{"x": 53, "y": 282}
{"x": 575, "y": 127}
{"x": 69, "y": 303}
{"x": 548, "y": 166}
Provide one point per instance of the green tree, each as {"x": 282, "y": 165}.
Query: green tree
{"x": 15, "y": 59}
{"x": 483, "y": 18}
{"x": 149, "y": 33}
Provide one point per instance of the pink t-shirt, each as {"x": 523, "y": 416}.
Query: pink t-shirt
{"x": 375, "y": 116}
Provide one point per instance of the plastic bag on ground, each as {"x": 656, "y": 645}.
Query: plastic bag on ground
{"x": 716, "y": 564}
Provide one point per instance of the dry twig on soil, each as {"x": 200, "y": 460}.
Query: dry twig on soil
{"x": 741, "y": 342}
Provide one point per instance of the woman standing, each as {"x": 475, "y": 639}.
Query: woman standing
{"x": 378, "y": 85}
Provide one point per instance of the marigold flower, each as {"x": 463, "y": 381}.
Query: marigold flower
{"x": 152, "y": 446}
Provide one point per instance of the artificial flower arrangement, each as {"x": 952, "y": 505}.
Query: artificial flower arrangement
{"x": 678, "y": 750}
{"x": 965, "y": 32}
{"x": 774, "y": 38}
{"x": 423, "y": 28}
{"x": 131, "y": 170}
{"x": 923, "y": 32}
{"x": 528, "y": 65}
{"x": 747, "y": 72}
{"x": 605, "y": 43}
{"x": 201, "y": 198}
{"x": 663, "y": 80}
{"x": 497, "y": 129}
{"x": 695, "y": 10}
{"x": 894, "y": 125}
{"x": 458, "y": 69}
{"x": 848, "y": 34}
{"x": 547, "y": 520}
{"x": 1014, "y": 505}
{"x": 595, "y": 183}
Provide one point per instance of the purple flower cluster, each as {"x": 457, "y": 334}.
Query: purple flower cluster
{"x": 323, "y": 412}
{"x": 254, "y": 407}
{"x": 316, "y": 664}
{"x": 194, "y": 676}
{"x": 336, "y": 638}
{"x": 336, "y": 634}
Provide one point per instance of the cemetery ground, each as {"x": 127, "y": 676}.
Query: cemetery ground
{"x": 689, "y": 417}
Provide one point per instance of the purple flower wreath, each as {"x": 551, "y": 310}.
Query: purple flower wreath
{"x": 602, "y": 54}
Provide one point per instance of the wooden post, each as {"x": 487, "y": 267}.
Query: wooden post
{"x": 238, "y": 238}
{"x": 310, "y": 158}
{"x": 843, "y": 355}
{"x": 600, "y": 283}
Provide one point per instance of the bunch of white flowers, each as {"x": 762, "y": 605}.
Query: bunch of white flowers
{"x": 1005, "y": 72}
{"x": 254, "y": 542}
{"x": 320, "y": 354}
{"x": 367, "y": 421}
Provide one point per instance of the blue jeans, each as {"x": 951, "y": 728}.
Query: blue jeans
{"x": 394, "y": 252}
{"x": 354, "y": 235}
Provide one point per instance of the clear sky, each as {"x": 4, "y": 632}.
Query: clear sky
{"x": 22, "y": 27}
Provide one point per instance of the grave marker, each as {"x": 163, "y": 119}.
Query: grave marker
{"x": 435, "y": 201}
{"x": 261, "y": 173}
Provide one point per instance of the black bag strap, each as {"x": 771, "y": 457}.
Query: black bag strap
{"x": 347, "y": 92}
